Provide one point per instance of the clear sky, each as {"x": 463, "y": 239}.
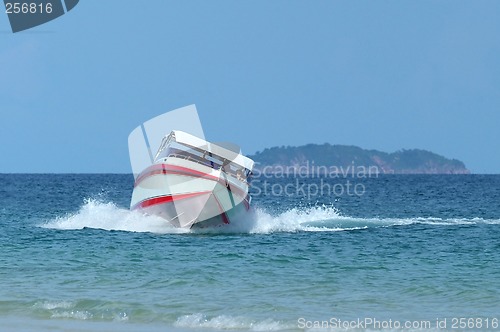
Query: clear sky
{"x": 384, "y": 75}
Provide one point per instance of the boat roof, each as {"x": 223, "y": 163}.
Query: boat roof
{"x": 196, "y": 142}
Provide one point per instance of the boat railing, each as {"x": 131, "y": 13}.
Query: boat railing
{"x": 211, "y": 164}
{"x": 190, "y": 158}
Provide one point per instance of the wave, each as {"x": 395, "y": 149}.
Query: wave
{"x": 140, "y": 318}
{"x": 81, "y": 310}
{"x": 225, "y": 322}
{"x": 107, "y": 216}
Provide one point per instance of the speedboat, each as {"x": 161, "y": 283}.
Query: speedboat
{"x": 190, "y": 182}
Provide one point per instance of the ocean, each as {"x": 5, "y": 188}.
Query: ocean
{"x": 390, "y": 252}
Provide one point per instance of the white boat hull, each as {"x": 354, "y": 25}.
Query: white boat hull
{"x": 190, "y": 195}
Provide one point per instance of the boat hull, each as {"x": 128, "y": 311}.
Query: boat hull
{"x": 190, "y": 195}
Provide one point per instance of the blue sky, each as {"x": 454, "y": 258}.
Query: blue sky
{"x": 382, "y": 75}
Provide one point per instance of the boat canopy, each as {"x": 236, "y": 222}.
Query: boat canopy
{"x": 183, "y": 125}
{"x": 213, "y": 148}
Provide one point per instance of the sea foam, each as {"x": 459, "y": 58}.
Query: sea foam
{"x": 108, "y": 216}
{"x": 224, "y": 322}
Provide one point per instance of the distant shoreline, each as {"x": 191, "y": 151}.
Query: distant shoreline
{"x": 342, "y": 159}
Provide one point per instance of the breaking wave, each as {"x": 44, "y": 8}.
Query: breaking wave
{"x": 107, "y": 216}
{"x": 51, "y": 313}
{"x": 224, "y": 322}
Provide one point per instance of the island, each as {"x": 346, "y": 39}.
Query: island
{"x": 328, "y": 158}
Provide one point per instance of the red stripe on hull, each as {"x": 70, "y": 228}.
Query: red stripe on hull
{"x": 171, "y": 169}
{"x": 166, "y": 199}
{"x": 225, "y": 218}
{"x": 223, "y": 214}
{"x": 179, "y": 170}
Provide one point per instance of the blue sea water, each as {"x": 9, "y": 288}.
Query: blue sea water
{"x": 422, "y": 250}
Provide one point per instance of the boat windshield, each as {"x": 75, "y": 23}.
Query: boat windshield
{"x": 201, "y": 154}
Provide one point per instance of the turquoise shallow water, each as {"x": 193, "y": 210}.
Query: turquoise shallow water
{"x": 409, "y": 249}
